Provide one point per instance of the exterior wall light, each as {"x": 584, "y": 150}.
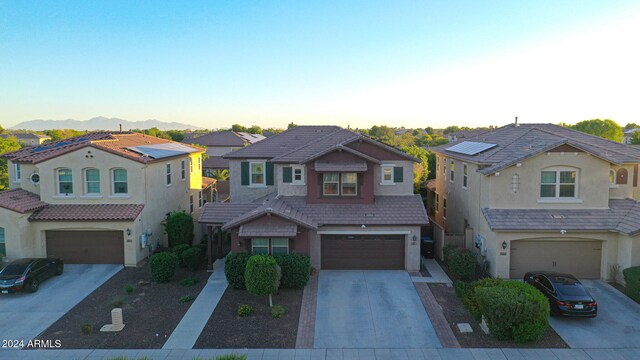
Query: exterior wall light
{"x": 128, "y": 232}
{"x": 504, "y": 245}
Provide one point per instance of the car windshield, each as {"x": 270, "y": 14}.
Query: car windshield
{"x": 574, "y": 289}
{"x": 14, "y": 269}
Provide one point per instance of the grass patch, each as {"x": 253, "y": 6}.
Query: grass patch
{"x": 190, "y": 281}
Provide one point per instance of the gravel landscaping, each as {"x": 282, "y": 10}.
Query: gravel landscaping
{"x": 226, "y": 330}
{"x": 455, "y": 313}
{"x": 151, "y": 311}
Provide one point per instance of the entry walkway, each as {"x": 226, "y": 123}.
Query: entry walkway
{"x": 437, "y": 274}
{"x": 332, "y": 354}
{"x": 191, "y": 325}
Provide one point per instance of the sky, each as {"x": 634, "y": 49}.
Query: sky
{"x": 352, "y": 63}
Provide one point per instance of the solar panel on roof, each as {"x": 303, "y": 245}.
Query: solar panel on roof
{"x": 161, "y": 151}
{"x": 470, "y": 147}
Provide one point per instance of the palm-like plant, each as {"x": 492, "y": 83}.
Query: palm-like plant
{"x": 221, "y": 174}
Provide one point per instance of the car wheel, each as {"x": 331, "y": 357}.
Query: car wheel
{"x": 59, "y": 269}
{"x": 33, "y": 286}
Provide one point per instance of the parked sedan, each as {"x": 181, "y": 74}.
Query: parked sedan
{"x": 27, "y": 274}
{"x": 567, "y": 296}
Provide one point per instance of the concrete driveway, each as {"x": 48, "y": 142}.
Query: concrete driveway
{"x": 616, "y": 326}
{"x": 371, "y": 309}
{"x": 25, "y": 315}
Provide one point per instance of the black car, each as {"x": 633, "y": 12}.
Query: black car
{"x": 567, "y": 296}
{"x": 27, "y": 274}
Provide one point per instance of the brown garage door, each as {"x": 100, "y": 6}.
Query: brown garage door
{"x": 362, "y": 252}
{"x": 86, "y": 247}
{"x": 579, "y": 258}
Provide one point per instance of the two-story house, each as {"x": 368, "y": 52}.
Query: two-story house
{"x": 541, "y": 197}
{"x": 219, "y": 143}
{"x": 28, "y": 139}
{"x": 342, "y": 198}
{"x": 96, "y": 198}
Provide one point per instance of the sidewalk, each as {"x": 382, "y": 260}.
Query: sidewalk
{"x": 332, "y": 354}
{"x": 437, "y": 274}
{"x": 191, "y": 325}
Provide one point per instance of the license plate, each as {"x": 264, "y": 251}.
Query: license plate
{"x": 579, "y": 306}
{"x": 5, "y": 291}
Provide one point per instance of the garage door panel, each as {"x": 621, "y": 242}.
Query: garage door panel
{"x": 579, "y": 258}
{"x": 86, "y": 247}
{"x": 353, "y": 252}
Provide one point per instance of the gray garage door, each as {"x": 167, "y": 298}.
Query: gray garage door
{"x": 362, "y": 252}
{"x": 579, "y": 258}
{"x": 86, "y": 247}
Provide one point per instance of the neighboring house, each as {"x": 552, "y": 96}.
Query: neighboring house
{"x": 540, "y": 197}
{"x": 97, "y": 198}
{"x": 219, "y": 143}
{"x": 628, "y": 135}
{"x": 28, "y": 139}
{"x": 455, "y": 136}
{"x": 342, "y": 198}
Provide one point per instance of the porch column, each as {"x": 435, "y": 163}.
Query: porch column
{"x": 209, "y": 248}
{"x": 220, "y": 240}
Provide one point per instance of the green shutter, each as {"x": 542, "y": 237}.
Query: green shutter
{"x": 398, "y": 174}
{"x": 269, "y": 169}
{"x": 244, "y": 173}
{"x": 287, "y": 174}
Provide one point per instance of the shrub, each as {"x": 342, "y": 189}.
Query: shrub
{"x": 469, "y": 298}
{"x": 129, "y": 288}
{"x": 189, "y": 281}
{"x": 462, "y": 288}
{"x": 296, "y": 269}
{"x": 185, "y": 298}
{"x": 192, "y": 258}
{"x": 179, "y": 228}
{"x": 117, "y": 302}
{"x": 632, "y": 282}
{"x": 163, "y": 266}
{"x": 231, "y": 357}
{"x": 261, "y": 275}
{"x": 244, "y": 310}
{"x": 86, "y": 328}
{"x": 234, "y": 268}
{"x": 178, "y": 250}
{"x": 447, "y": 250}
{"x": 462, "y": 264}
{"x": 278, "y": 311}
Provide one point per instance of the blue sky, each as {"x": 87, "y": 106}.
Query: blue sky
{"x": 358, "y": 63}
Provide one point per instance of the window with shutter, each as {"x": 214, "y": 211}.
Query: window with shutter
{"x": 398, "y": 174}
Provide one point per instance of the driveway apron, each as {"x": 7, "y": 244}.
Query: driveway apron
{"x": 371, "y": 309}
{"x": 616, "y": 326}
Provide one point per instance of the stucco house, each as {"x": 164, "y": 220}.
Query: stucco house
{"x": 219, "y": 143}
{"x": 97, "y": 198}
{"x": 539, "y": 197}
{"x": 342, "y": 198}
{"x": 28, "y": 139}
{"x": 628, "y": 135}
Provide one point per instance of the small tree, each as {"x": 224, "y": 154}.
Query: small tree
{"x": 262, "y": 276}
{"x": 179, "y": 228}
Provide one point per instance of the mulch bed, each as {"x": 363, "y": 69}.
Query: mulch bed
{"x": 455, "y": 312}
{"x": 151, "y": 312}
{"x": 226, "y": 330}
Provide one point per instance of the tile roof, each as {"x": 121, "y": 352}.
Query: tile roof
{"x": 224, "y": 138}
{"x": 386, "y": 210}
{"x": 23, "y": 136}
{"x": 21, "y": 201}
{"x": 621, "y": 216}
{"x": 94, "y": 212}
{"x": 517, "y": 143}
{"x": 207, "y": 181}
{"x": 284, "y": 230}
{"x": 215, "y": 162}
{"x": 114, "y": 142}
{"x": 467, "y": 133}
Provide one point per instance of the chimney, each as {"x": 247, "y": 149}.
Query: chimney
{"x": 516, "y": 124}
{"x": 121, "y": 126}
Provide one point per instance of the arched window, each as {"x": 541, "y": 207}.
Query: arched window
{"x": 92, "y": 181}
{"x": 621, "y": 176}
{"x": 120, "y": 184}
{"x": 65, "y": 181}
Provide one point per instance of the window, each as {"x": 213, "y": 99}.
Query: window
{"x": 92, "y": 181}
{"x": 199, "y": 163}
{"x": 444, "y": 207}
{"x": 464, "y": 176}
{"x": 183, "y": 170}
{"x": 331, "y": 184}
{"x": 191, "y": 204}
{"x": 260, "y": 246}
{"x": 65, "y": 182}
{"x": 190, "y": 166}
{"x": 279, "y": 246}
{"x": 437, "y": 165}
{"x": 444, "y": 166}
{"x": 612, "y": 178}
{"x": 168, "y": 174}
{"x": 558, "y": 184}
{"x": 18, "y": 172}
{"x": 3, "y": 249}
{"x": 298, "y": 175}
{"x": 120, "y": 182}
{"x": 453, "y": 166}
{"x": 436, "y": 202}
{"x": 200, "y": 199}
{"x": 257, "y": 173}
{"x": 349, "y": 184}
{"x": 387, "y": 174}
{"x": 515, "y": 183}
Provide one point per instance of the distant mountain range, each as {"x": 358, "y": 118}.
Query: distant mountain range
{"x": 101, "y": 123}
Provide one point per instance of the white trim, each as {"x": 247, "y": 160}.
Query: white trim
{"x": 121, "y": 196}
{"x": 86, "y": 182}
{"x": 183, "y": 170}
{"x": 382, "y": 180}
{"x": 17, "y": 173}
{"x": 112, "y": 175}
{"x": 364, "y": 232}
{"x": 63, "y": 196}
{"x": 465, "y": 175}
{"x": 168, "y": 173}
{"x": 264, "y": 174}
{"x": 293, "y": 175}
{"x": 560, "y": 200}
{"x": 96, "y": 196}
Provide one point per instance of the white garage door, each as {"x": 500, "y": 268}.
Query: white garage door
{"x": 579, "y": 258}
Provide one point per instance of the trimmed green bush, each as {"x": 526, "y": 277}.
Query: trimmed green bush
{"x": 296, "y": 269}
{"x": 163, "y": 266}
{"x": 179, "y": 227}
{"x": 469, "y": 297}
{"x": 277, "y": 311}
{"x": 462, "y": 288}
{"x": 632, "y": 282}
{"x": 192, "y": 258}
{"x": 129, "y": 288}
{"x": 447, "y": 251}
{"x": 462, "y": 264}
{"x": 244, "y": 310}
{"x": 189, "y": 281}
{"x": 234, "y": 268}
{"x": 261, "y": 275}
{"x": 178, "y": 250}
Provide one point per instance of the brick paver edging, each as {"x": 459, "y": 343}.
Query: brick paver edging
{"x": 439, "y": 322}
{"x": 307, "y": 322}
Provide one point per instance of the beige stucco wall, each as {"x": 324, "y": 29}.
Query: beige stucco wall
{"x": 18, "y": 239}
{"x": 404, "y": 188}
{"x": 246, "y": 194}
{"x": 290, "y": 189}
{"x": 622, "y": 191}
